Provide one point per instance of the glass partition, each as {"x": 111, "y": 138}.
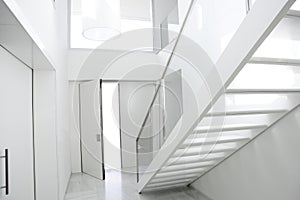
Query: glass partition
{"x": 168, "y": 17}
{"x": 151, "y": 136}
{"x": 213, "y": 23}
{"x": 173, "y": 107}
{"x": 164, "y": 113}
{"x": 190, "y": 79}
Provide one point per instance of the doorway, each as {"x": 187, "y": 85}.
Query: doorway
{"x": 111, "y": 133}
{"x": 111, "y": 125}
{"x": 99, "y": 127}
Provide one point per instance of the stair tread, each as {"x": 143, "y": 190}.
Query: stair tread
{"x": 214, "y": 140}
{"x": 180, "y": 181}
{"x": 275, "y": 61}
{"x": 229, "y": 127}
{"x": 166, "y": 179}
{"x": 246, "y": 112}
{"x": 165, "y": 187}
{"x": 249, "y": 90}
{"x": 209, "y": 159}
{"x": 203, "y": 151}
{"x": 181, "y": 172}
{"x": 156, "y": 181}
{"x": 184, "y": 167}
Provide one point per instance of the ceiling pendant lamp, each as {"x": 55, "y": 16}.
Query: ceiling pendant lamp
{"x": 101, "y": 19}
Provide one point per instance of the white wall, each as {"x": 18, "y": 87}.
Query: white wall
{"x": 116, "y": 65}
{"x": 47, "y": 25}
{"x": 44, "y": 135}
{"x": 267, "y": 168}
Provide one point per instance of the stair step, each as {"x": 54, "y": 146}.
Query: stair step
{"x": 202, "y": 152}
{"x": 151, "y": 188}
{"x": 246, "y": 112}
{"x": 174, "y": 178}
{"x": 218, "y": 122}
{"x": 263, "y": 91}
{"x": 212, "y": 141}
{"x": 275, "y": 61}
{"x": 205, "y": 160}
{"x": 267, "y": 78}
{"x": 172, "y": 168}
{"x": 242, "y": 133}
{"x": 212, "y": 122}
{"x": 178, "y": 173}
{"x": 241, "y": 102}
{"x": 156, "y": 180}
{"x": 180, "y": 181}
{"x": 228, "y": 128}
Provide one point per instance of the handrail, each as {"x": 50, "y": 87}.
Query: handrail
{"x": 166, "y": 68}
{"x": 159, "y": 85}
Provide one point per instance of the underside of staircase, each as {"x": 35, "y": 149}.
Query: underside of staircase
{"x": 260, "y": 89}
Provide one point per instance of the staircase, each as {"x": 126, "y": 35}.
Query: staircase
{"x": 262, "y": 88}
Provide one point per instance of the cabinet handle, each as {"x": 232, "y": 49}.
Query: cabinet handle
{"x": 5, "y": 157}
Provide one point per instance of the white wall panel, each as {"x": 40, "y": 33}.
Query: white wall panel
{"x": 45, "y": 135}
{"x": 74, "y": 127}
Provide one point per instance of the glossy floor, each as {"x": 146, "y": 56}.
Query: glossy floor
{"x": 121, "y": 186}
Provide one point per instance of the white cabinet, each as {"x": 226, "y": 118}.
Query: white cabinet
{"x": 16, "y": 127}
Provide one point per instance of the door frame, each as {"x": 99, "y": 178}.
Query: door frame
{"x": 101, "y": 129}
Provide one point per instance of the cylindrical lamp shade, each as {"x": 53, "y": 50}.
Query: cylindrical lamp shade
{"x": 100, "y": 19}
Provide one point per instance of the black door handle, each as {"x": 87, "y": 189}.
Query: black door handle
{"x": 5, "y": 157}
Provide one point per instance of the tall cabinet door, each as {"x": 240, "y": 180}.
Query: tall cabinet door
{"x": 16, "y": 129}
{"x": 91, "y": 129}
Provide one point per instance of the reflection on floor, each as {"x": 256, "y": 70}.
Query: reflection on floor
{"x": 121, "y": 186}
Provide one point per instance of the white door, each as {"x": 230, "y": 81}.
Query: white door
{"x": 91, "y": 129}
{"x": 16, "y": 132}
